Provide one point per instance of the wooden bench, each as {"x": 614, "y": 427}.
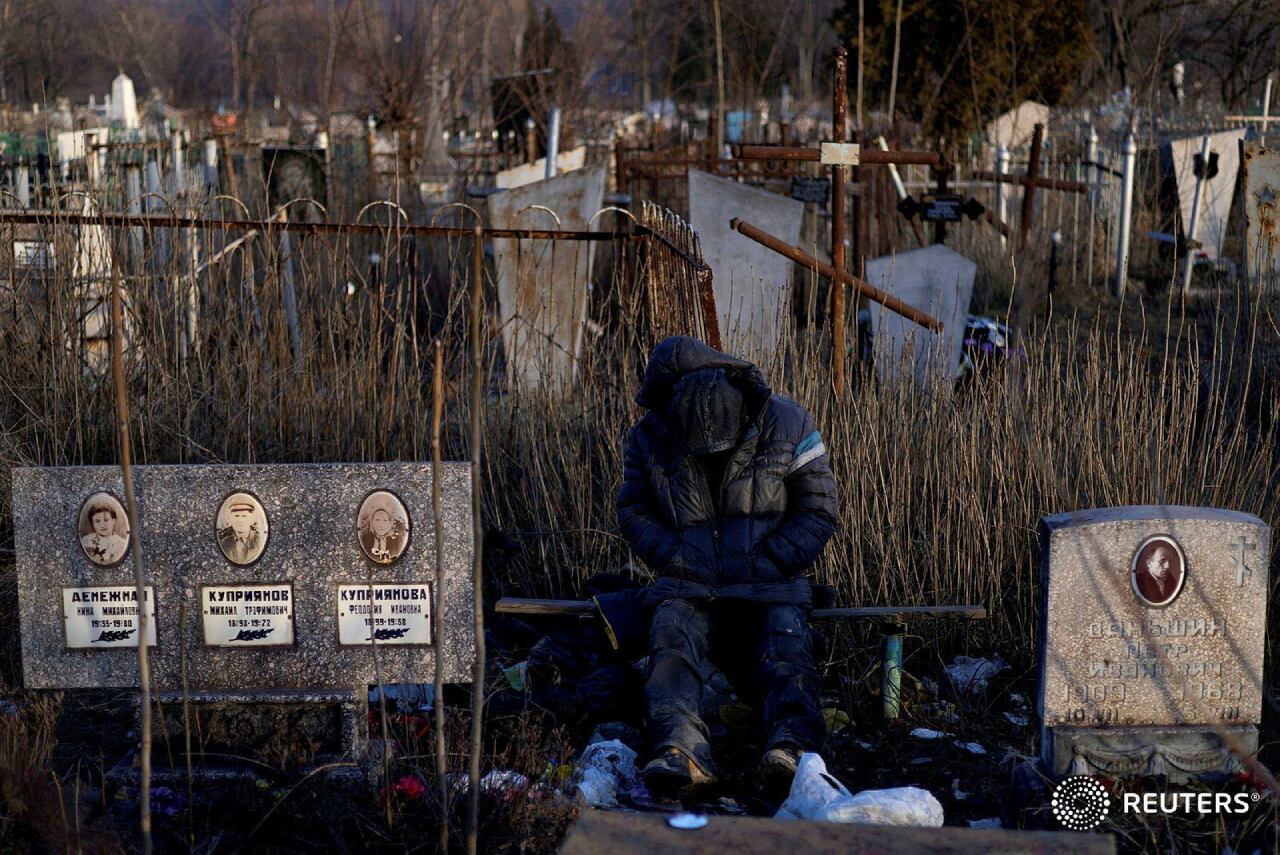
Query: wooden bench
{"x": 893, "y": 621}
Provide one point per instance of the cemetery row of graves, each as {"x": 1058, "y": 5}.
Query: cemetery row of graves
{"x": 1018, "y": 425}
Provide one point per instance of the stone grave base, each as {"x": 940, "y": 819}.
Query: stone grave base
{"x": 1180, "y": 753}
{"x": 295, "y": 729}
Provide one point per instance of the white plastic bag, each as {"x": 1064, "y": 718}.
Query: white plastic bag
{"x": 816, "y": 795}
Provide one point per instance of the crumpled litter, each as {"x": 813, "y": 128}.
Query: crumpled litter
{"x": 407, "y": 697}
{"x": 969, "y": 675}
{"x": 517, "y": 676}
{"x": 603, "y": 769}
{"x": 1017, "y": 719}
{"x": 816, "y": 795}
{"x": 498, "y": 782}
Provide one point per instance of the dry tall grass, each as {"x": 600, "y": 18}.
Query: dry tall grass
{"x": 940, "y": 492}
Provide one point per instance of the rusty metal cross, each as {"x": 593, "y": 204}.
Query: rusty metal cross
{"x": 1030, "y": 182}
{"x": 846, "y": 160}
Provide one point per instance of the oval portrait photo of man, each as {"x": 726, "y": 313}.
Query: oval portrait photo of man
{"x": 382, "y": 525}
{"x": 242, "y": 528}
{"x": 1158, "y": 571}
{"x": 104, "y": 530}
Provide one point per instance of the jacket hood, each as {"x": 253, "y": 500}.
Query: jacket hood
{"x": 678, "y": 355}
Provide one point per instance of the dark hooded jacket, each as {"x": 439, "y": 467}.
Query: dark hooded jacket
{"x": 777, "y": 503}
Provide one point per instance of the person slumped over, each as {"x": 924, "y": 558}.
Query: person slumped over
{"x": 727, "y": 495}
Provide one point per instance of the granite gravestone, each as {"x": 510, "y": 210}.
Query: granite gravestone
{"x": 937, "y": 281}
{"x": 1152, "y": 635}
{"x": 542, "y": 284}
{"x": 752, "y": 282}
{"x": 1219, "y": 190}
{"x": 259, "y": 577}
{"x": 1261, "y": 167}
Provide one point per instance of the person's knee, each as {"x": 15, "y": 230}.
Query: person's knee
{"x": 788, "y": 647}
{"x": 674, "y": 626}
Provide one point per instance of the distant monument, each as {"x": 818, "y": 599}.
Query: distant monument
{"x": 124, "y": 103}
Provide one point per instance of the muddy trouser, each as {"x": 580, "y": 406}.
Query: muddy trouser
{"x": 764, "y": 649}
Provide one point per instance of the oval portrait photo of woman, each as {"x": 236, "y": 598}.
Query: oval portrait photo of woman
{"x": 382, "y": 525}
{"x": 242, "y": 528}
{"x": 104, "y": 530}
{"x": 1158, "y": 571}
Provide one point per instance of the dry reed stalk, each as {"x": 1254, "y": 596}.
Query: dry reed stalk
{"x": 139, "y": 581}
{"x": 477, "y": 579}
{"x": 442, "y": 766}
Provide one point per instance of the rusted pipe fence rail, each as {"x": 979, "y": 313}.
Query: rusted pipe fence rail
{"x": 50, "y": 217}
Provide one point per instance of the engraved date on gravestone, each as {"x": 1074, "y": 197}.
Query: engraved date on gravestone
{"x": 105, "y": 617}
{"x": 247, "y": 615}
{"x": 384, "y": 614}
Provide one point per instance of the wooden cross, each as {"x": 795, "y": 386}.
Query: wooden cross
{"x": 840, "y": 156}
{"x": 1030, "y": 182}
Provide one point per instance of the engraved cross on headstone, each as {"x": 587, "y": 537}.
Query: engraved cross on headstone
{"x": 1242, "y": 570}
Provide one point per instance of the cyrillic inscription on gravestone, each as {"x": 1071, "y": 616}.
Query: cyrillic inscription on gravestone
{"x": 247, "y": 615}
{"x": 1153, "y": 626}
{"x": 389, "y": 614}
{"x": 106, "y": 617}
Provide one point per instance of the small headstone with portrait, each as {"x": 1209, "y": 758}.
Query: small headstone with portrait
{"x": 275, "y": 584}
{"x": 1153, "y": 623}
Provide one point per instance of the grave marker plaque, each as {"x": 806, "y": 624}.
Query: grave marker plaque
{"x": 752, "y": 282}
{"x": 1219, "y": 190}
{"x": 1153, "y": 628}
{"x": 98, "y": 618}
{"x": 272, "y": 625}
{"x": 543, "y": 284}
{"x": 247, "y": 615}
{"x": 1261, "y": 168}
{"x": 389, "y": 614}
{"x": 938, "y": 281}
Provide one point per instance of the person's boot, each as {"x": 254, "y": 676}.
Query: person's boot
{"x": 673, "y": 771}
{"x": 779, "y": 764}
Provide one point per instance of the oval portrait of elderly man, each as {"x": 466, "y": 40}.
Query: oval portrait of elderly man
{"x": 1158, "y": 571}
{"x": 104, "y": 530}
{"x": 242, "y": 528}
{"x": 382, "y": 525}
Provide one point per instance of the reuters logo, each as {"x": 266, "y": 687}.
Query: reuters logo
{"x": 1080, "y": 803}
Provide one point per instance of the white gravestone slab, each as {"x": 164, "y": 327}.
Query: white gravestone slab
{"x": 528, "y": 173}
{"x": 937, "y": 281}
{"x": 543, "y": 284}
{"x": 1262, "y": 214}
{"x": 247, "y": 615}
{"x": 103, "y": 617}
{"x": 752, "y": 283}
{"x": 1219, "y": 191}
{"x": 1153, "y": 628}
{"x": 387, "y": 614}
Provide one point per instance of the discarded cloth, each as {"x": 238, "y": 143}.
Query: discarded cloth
{"x": 603, "y": 770}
